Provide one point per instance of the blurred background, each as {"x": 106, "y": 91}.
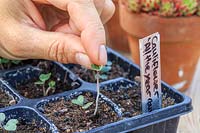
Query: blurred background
{"x": 178, "y": 22}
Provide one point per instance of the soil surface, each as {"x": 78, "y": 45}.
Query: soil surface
{"x": 129, "y": 100}
{"x": 69, "y": 117}
{"x": 89, "y": 75}
{"x": 32, "y": 127}
{"x": 6, "y": 100}
{"x": 11, "y": 65}
{"x": 31, "y": 90}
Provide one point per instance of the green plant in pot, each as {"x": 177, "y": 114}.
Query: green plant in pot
{"x": 178, "y": 23}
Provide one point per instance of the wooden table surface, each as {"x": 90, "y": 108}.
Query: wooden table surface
{"x": 190, "y": 123}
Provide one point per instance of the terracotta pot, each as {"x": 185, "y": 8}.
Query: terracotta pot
{"x": 116, "y": 36}
{"x": 180, "y": 43}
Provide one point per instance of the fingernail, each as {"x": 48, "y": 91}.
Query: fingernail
{"x": 103, "y": 54}
{"x": 83, "y": 60}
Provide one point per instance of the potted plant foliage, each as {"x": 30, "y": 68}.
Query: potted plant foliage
{"x": 44, "y": 96}
{"x": 177, "y": 21}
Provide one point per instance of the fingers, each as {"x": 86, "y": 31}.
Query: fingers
{"x": 85, "y": 17}
{"x": 107, "y": 11}
{"x": 105, "y": 8}
{"x": 68, "y": 28}
{"x": 92, "y": 30}
{"x": 86, "y": 22}
{"x": 39, "y": 44}
{"x": 99, "y": 4}
{"x": 65, "y": 48}
{"x": 35, "y": 15}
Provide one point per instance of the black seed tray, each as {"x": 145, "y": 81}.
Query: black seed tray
{"x": 164, "y": 120}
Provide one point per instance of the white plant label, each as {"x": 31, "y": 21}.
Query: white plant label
{"x": 150, "y": 72}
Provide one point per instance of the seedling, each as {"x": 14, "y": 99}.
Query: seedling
{"x": 4, "y": 61}
{"x": 104, "y": 70}
{"x": 43, "y": 78}
{"x": 80, "y": 101}
{"x": 11, "y": 125}
{"x": 98, "y": 69}
{"x": 16, "y": 62}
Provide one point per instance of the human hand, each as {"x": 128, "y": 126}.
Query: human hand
{"x": 81, "y": 40}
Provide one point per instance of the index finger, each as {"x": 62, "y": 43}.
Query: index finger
{"x": 85, "y": 16}
{"x": 87, "y": 20}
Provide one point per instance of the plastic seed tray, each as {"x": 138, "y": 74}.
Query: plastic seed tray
{"x": 164, "y": 120}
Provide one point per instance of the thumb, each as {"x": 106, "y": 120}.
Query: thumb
{"x": 64, "y": 48}
{"x": 85, "y": 17}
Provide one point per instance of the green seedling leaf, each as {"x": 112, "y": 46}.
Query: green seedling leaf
{"x": 52, "y": 84}
{"x": 16, "y": 62}
{"x": 45, "y": 77}
{"x": 11, "y": 125}
{"x": 96, "y": 67}
{"x": 109, "y": 63}
{"x": 4, "y": 61}
{"x": 86, "y": 106}
{"x": 13, "y": 121}
{"x": 2, "y": 117}
{"x": 104, "y": 77}
{"x": 106, "y": 69}
{"x": 79, "y": 101}
{"x": 39, "y": 83}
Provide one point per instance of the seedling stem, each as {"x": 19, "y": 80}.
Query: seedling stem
{"x": 98, "y": 91}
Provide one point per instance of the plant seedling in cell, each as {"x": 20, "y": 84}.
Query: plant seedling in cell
{"x": 80, "y": 101}
{"x": 4, "y": 61}
{"x": 11, "y": 125}
{"x": 16, "y": 62}
{"x": 43, "y": 78}
{"x": 104, "y": 70}
{"x": 98, "y": 69}
{"x": 107, "y": 67}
